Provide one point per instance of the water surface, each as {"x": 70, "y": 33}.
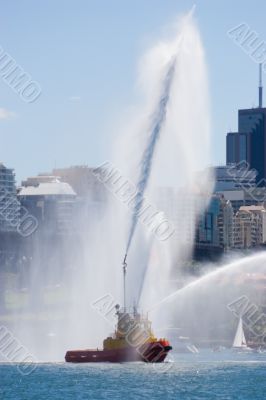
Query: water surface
{"x": 203, "y": 376}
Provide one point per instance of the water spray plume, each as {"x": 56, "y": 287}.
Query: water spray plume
{"x": 157, "y": 121}
{"x": 229, "y": 268}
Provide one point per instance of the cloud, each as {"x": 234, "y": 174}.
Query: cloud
{"x": 74, "y": 98}
{"x": 6, "y": 114}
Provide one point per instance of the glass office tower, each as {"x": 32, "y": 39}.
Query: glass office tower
{"x": 237, "y": 147}
{"x": 253, "y": 123}
{"x": 249, "y": 143}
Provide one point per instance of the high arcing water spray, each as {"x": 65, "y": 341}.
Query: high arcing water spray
{"x": 156, "y": 124}
{"x": 146, "y": 162}
{"x": 205, "y": 306}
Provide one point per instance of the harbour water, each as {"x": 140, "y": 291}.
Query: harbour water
{"x": 207, "y": 375}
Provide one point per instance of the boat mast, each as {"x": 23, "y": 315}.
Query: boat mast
{"x": 124, "y": 276}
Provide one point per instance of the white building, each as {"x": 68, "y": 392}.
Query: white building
{"x": 50, "y": 201}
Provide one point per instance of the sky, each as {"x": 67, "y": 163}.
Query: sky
{"x": 84, "y": 54}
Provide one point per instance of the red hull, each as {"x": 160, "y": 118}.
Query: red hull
{"x": 149, "y": 352}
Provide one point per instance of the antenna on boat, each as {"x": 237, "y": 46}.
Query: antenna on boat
{"x": 124, "y": 275}
{"x": 260, "y": 86}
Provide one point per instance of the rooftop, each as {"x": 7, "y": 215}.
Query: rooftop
{"x": 252, "y": 208}
{"x": 48, "y": 188}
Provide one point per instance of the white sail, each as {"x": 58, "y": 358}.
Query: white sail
{"x": 240, "y": 340}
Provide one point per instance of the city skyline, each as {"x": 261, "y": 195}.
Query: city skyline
{"x": 77, "y": 59}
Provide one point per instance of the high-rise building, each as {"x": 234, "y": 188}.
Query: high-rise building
{"x": 249, "y": 143}
{"x": 9, "y": 206}
{"x": 259, "y": 227}
{"x": 253, "y": 123}
{"x": 237, "y": 147}
{"x": 245, "y": 197}
{"x": 83, "y": 181}
{"x": 214, "y": 227}
{"x": 50, "y": 201}
{"x": 229, "y": 177}
{"x": 249, "y": 227}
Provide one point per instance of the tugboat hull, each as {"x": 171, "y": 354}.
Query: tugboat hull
{"x": 155, "y": 352}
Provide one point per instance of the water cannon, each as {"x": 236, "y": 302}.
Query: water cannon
{"x": 124, "y": 279}
{"x": 125, "y": 262}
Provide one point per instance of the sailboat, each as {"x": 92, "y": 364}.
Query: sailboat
{"x": 240, "y": 343}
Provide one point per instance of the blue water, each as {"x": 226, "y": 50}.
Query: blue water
{"x": 204, "y": 376}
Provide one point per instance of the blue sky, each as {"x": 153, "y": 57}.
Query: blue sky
{"x": 84, "y": 54}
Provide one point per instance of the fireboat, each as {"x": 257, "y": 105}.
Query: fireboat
{"x": 133, "y": 339}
